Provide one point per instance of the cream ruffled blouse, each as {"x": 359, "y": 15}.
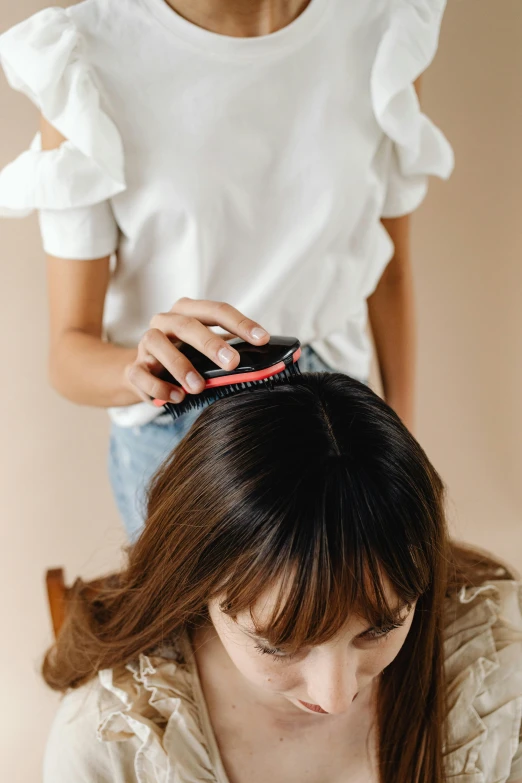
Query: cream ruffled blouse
{"x": 147, "y": 722}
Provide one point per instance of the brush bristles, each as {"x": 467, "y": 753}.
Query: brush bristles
{"x": 195, "y": 401}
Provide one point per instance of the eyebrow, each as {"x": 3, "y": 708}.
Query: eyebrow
{"x": 395, "y": 615}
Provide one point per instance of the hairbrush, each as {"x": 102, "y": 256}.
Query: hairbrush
{"x": 259, "y": 366}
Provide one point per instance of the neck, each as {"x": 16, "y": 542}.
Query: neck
{"x": 240, "y": 18}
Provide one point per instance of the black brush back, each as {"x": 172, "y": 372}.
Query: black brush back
{"x": 252, "y": 359}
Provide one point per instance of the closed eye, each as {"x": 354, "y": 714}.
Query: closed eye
{"x": 382, "y": 632}
{"x": 372, "y": 634}
{"x": 275, "y": 652}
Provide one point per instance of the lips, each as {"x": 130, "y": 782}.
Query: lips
{"x": 317, "y": 708}
{"x": 313, "y": 707}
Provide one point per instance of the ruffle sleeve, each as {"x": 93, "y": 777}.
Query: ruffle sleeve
{"x": 418, "y": 148}
{"x": 158, "y": 710}
{"x": 43, "y": 58}
{"x": 483, "y": 659}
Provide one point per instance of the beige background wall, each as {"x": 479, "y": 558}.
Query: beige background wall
{"x": 56, "y": 506}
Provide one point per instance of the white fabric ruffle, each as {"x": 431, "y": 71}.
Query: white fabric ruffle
{"x": 483, "y": 659}
{"x": 62, "y": 178}
{"x": 419, "y": 149}
{"x": 42, "y": 58}
{"x": 158, "y": 704}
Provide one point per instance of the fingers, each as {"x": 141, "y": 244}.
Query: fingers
{"x": 187, "y": 322}
{"x": 155, "y": 349}
{"x": 190, "y": 330}
{"x": 156, "y": 344}
{"x": 224, "y": 315}
{"x": 149, "y": 386}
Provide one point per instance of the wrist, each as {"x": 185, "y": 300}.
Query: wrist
{"x": 129, "y": 391}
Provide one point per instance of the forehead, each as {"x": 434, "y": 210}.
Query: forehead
{"x": 268, "y": 603}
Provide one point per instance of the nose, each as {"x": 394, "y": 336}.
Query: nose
{"x": 332, "y": 682}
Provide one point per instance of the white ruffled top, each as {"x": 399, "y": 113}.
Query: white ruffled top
{"x": 249, "y": 170}
{"x": 147, "y": 722}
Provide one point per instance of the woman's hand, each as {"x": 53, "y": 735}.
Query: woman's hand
{"x": 187, "y": 321}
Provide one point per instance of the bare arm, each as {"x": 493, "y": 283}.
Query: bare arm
{"x": 392, "y": 318}
{"x": 82, "y": 367}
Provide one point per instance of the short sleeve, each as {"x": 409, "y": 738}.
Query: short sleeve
{"x": 71, "y": 186}
{"x": 417, "y": 148}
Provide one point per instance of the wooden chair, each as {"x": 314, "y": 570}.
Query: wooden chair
{"x": 59, "y": 594}
{"x": 57, "y": 597}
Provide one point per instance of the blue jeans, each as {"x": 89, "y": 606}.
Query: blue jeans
{"x": 137, "y": 452}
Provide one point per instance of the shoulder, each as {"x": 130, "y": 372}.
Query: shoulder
{"x": 409, "y": 32}
{"x": 74, "y": 751}
{"x": 45, "y": 57}
{"x": 407, "y": 42}
{"x": 483, "y": 666}
{"x": 494, "y": 604}
{"x": 135, "y": 720}
{"x": 82, "y": 12}
{"x": 54, "y": 31}
{"x": 154, "y": 709}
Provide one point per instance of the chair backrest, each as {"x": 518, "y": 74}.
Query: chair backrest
{"x": 57, "y": 597}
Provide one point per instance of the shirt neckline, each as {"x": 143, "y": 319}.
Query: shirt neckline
{"x": 215, "y": 44}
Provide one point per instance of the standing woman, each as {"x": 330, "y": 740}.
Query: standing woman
{"x": 262, "y": 153}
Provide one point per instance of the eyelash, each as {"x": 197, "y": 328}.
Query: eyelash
{"x": 380, "y": 633}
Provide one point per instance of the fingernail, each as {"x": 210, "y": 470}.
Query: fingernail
{"x": 226, "y": 355}
{"x": 258, "y": 333}
{"x": 193, "y": 381}
{"x": 176, "y": 396}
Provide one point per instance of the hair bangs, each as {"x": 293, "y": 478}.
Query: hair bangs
{"x": 324, "y": 567}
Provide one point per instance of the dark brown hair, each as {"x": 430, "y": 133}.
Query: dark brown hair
{"x": 317, "y": 486}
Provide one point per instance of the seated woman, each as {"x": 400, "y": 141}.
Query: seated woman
{"x": 294, "y": 612}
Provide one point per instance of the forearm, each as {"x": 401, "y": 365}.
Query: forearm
{"x": 392, "y": 319}
{"x": 88, "y": 371}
